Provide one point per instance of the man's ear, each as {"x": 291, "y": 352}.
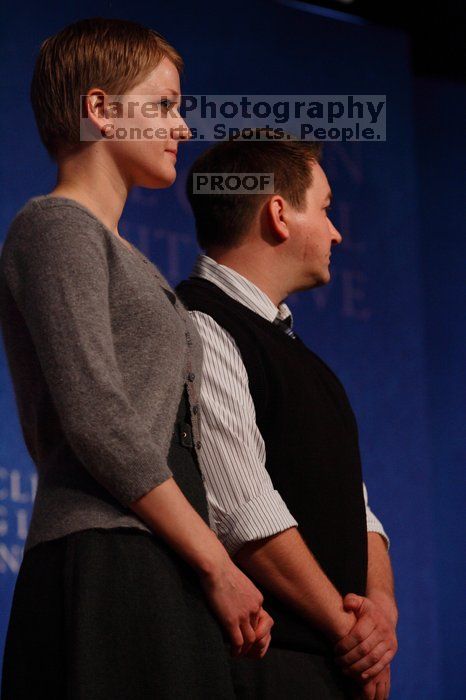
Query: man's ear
{"x": 276, "y": 213}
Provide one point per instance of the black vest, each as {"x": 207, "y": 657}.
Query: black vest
{"x": 311, "y": 441}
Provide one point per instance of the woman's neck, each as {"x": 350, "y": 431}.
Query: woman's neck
{"x": 95, "y": 185}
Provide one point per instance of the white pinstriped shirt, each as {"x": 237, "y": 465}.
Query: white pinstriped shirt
{"x": 241, "y": 495}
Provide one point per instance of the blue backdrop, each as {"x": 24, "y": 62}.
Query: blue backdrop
{"x": 390, "y": 321}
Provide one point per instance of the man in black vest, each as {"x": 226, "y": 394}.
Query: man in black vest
{"x": 280, "y": 443}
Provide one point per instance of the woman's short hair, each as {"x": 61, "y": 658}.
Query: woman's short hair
{"x": 111, "y": 54}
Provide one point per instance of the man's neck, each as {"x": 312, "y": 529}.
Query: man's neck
{"x": 262, "y": 275}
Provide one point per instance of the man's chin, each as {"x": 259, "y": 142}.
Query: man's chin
{"x": 323, "y": 279}
{"x": 312, "y": 284}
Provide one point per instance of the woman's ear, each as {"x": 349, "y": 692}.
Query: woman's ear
{"x": 96, "y": 112}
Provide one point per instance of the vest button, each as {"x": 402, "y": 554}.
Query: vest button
{"x": 191, "y": 377}
{"x": 195, "y": 409}
{"x": 198, "y": 445}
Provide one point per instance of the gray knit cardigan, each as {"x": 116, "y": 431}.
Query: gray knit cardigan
{"x": 99, "y": 348}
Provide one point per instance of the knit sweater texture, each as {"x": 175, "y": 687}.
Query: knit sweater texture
{"x": 99, "y": 348}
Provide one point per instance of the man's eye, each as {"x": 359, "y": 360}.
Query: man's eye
{"x": 328, "y": 208}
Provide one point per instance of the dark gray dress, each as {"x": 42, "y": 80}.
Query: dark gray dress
{"x": 116, "y": 614}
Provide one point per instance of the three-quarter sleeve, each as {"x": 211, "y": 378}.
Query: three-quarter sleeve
{"x": 373, "y": 523}
{"x": 58, "y": 276}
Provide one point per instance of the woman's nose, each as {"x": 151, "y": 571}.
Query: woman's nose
{"x": 181, "y": 131}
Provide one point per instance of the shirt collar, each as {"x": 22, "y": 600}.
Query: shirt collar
{"x": 240, "y": 288}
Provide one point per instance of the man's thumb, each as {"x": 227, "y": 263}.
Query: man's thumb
{"x": 351, "y": 601}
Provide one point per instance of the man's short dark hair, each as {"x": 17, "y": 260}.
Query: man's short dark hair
{"x": 223, "y": 219}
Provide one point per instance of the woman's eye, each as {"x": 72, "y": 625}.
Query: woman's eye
{"x": 327, "y": 209}
{"x": 167, "y": 103}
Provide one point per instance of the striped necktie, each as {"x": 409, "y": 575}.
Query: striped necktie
{"x": 285, "y": 325}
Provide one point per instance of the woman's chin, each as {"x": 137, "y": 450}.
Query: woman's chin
{"x": 160, "y": 180}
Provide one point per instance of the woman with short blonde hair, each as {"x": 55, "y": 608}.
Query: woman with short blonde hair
{"x": 123, "y": 583}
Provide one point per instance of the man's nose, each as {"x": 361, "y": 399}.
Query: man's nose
{"x": 335, "y": 234}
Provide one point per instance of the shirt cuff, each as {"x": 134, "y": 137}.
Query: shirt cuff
{"x": 261, "y": 517}
{"x": 374, "y": 525}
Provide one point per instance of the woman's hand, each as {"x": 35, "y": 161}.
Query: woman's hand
{"x": 238, "y": 605}
{"x": 263, "y": 636}
{"x": 233, "y": 597}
